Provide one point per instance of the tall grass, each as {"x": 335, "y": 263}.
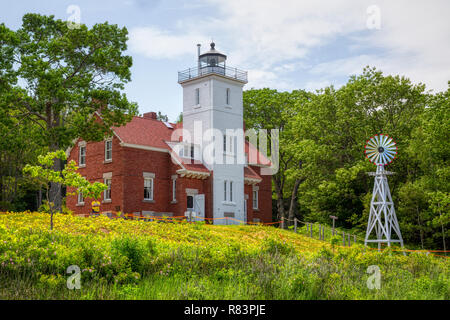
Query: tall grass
{"x": 143, "y": 260}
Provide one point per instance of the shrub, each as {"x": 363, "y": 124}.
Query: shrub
{"x": 138, "y": 252}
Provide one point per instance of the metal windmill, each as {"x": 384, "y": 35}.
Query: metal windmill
{"x": 381, "y": 150}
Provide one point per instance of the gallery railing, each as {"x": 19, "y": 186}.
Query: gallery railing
{"x": 229, "y": 72}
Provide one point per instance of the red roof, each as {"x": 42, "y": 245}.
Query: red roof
{"x": 255, "y": 153}
{"x": 155, "y": 133}
{"x": 250, "y": 173}
{"x": 195, "y": 167}
{"x": 145, "y": 132}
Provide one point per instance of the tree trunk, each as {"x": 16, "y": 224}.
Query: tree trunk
{"x": 420, "y": 226}
{"x": 280, "y": 202}
{"x": 53, "y": 121}
{"x": 55, "y": 188}
{"x": 443, "y": 230}
{"x": 293, "y": 204}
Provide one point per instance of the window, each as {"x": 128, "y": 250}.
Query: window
{"x": 82, "y": 158}
{"x": 197, "y": 96}
{"x": 190, "y": 202}
{"x": 225, "y": 190}
{"x": 108, "y": 150}
{"x": 148, "y": 188}
{"x": 231, "y": 145}
{"x": 187, "y": 151}
{"x": 228, "y": 144}
{"x": 107, "y": 192}
{"x": 255, "y": 199}
{"x": 228, "y": 193}
{"x": 228, "y": 96}
{"x": 174, "y": 189}
{"x": 80, "y": 198}
{"x": 231, "y": 191}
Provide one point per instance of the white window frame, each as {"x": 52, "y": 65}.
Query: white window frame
{"x": 174, "y": 189}
{"x": 225, "y": 143}
{"x": 231, "y": 191}
{"x": 80, "y": 200}
{"x": 197, "y": 96}
{"x": 225, "y": 187}
{"x": 149, "y": 177}
{"x": 187, "y": 151}
{"x": 107, "y": 192}
{"x": 82, "y": 155}
{"x": 228, "y": 144}
{"x": 255, "y": 199}
{"x": 108, "y": 141}
{"x": 228, "y": 192}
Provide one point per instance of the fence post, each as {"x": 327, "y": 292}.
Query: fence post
{"x": 320, "y": 232}
{"x": 311, "y": 230}
{"x": 349, "y": 243}
{"x": 295, "y": 225}
{"x": 282, "y": 222}
{"x": 343, "y": 238}
{"x": 323, "y": 234}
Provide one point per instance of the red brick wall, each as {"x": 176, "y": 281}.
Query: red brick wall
{"x": 137, "y": 162}
{"x": 264, "y": 212}
{"x": 127, "y": 189}
{"x": 94, "y": 170}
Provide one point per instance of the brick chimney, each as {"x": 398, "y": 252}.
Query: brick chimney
{"x": 150, "y": 115}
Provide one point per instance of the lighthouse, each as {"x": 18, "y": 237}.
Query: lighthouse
{"x": 213, "y": 114}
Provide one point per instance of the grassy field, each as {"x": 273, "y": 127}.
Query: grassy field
{"x": 122, "y": 259}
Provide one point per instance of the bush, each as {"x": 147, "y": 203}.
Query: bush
{"x": 275, "y": 246}
{"x": 138, "y": 252}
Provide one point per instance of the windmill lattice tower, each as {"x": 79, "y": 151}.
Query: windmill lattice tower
{"x": 381, "y": 150}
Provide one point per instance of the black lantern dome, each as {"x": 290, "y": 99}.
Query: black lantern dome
{"x": 212, "y": 58}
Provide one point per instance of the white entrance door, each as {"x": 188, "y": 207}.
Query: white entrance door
{"x": 199, "y": 207}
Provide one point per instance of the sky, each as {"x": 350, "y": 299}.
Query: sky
{"x": 284, "y": 44}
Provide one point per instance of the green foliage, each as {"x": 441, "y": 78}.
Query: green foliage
{"x": 275, "y": 247}
{"x": 67, "y": 74}
{"x": 149, "y": 260}
{"x": 136, "y": 251}
{"x": 44, "y": 174}
{"x": 327, "y": 132}
{"x": 69, "y": 177}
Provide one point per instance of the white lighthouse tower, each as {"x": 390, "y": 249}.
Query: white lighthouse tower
{"x": 213, "y": 115}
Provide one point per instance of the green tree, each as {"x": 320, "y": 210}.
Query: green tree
{"x": 20, "y": 143}
{"x": 162, "y": 117}
{"x": 44, "y": 175}
{"x": 269, "y": 109}
{"x": 59, "y": 76}
{"x": 330, "y": 133}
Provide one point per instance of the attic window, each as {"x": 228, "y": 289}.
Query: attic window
{"x": 187, "y": 151}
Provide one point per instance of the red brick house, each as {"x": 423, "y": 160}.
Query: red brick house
{"x": 148, "y": 176}
{"x": 136, "y": 163}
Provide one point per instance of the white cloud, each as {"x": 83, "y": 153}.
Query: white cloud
{"x": 158, "y": 44}
{"x": 274, "y": 39}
